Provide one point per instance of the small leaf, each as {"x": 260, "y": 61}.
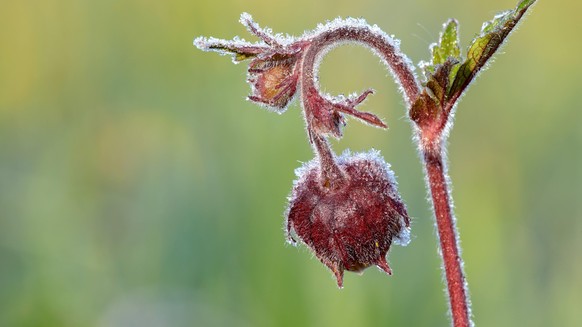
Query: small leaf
{"x": 524, "y": 4}
{"x": 438, "y": 82}
{"x": 493, "y": 34}
{"x": 447, "y": 48}
{"x": 448, "y": 45}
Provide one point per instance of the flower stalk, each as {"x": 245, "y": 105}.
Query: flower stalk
{"x": 459, "y": 303}
{"x": 331, "y": 175}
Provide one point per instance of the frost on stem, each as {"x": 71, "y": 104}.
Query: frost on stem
{"x": 281, "y": 65}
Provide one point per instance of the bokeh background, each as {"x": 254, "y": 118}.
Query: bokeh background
{"x": 139, "y": 188}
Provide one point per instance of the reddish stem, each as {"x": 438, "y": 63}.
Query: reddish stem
{"x": 448, "y": 237}
{"x": 331, "y": 174}
{"x": 384, "y": 48}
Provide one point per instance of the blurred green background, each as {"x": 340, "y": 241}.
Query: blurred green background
{"x": 139, "y": 188}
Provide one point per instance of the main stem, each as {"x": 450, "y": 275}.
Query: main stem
{"x": 448, "y": 237}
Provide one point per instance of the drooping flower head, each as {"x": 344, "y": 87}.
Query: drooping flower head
{"x": 350, "y": 227}
{"x": 346, "y": 210}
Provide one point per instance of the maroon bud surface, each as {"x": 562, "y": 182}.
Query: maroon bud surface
{"x": 349, "y": 227}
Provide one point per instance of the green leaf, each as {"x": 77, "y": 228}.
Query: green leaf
{"x": 525, "y": 4}
{"x": 493, "y": 34}
{"x": 448, "y": 45}
{"x": 448, "y": 74}
{"x": 445, "y": 56}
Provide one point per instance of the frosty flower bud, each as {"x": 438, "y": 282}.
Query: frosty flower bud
{"x": 275, "y": 66}
{"x": 274, "y": 80}
{"x": 350, "y": 227}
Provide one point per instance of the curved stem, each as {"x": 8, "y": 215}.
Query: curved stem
{"x": 459, "y": 303}
{"x": 382, "y": 45}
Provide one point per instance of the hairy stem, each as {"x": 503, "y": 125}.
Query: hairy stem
{"x": 383, "y": 47}
{"x": 448, "y": 237}
{"x": 331, "y": 174}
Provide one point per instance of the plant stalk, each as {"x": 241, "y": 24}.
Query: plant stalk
{"x": 459, "y": 303}
{"x": 331, "y": 174}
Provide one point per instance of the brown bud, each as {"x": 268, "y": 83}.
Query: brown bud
{"x": 274, "y": 80}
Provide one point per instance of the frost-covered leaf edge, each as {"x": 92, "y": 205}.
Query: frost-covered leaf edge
{"x": 492, "y": 36}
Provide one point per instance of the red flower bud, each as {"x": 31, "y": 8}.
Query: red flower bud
{"x": 349, "y": 227}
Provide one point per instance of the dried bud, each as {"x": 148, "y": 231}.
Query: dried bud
{"x": 274, "y": 79}
{"x": 275, "y": 67}
{"x": 350, "y": 227}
